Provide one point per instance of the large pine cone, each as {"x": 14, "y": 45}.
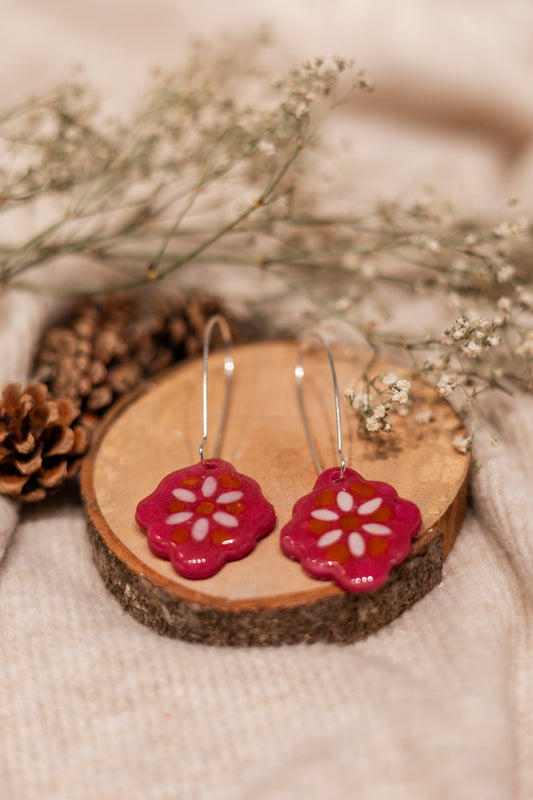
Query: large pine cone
{"x": 40, "y": 442}
{"x": 107, "y": 346}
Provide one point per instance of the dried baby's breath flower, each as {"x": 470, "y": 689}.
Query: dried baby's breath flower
{"x": 373, "y": 424}
{"x": 462, "y": 443}
{"x": 424, "y": 417}
{"x": 525, "y": 298}
{"x": 203, "y": 175}
{"x": 446, "y": 384}
{"x": 505, "y": 273}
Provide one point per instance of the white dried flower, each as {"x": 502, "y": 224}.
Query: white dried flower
{"x": 446, "y": 384}
{"x": 433, "y": 245}
{"x": 389, "y": 378}
{"x": 434, "y": 361}
{"x": 446, "y": 338}
{"x": 493, "y": 340}
{"x": 343, "y": 304}
{"x": 380, "y": 411}
{"x": 505, "y": 273}
{"x": 462, "y": 443}
{"x": 373, "y": 424}
{"x": 266, "y": 147}
{"x": 504, "y": 304}
{"x": 472, "y": 349}
{"x": 358, "y": 400}
{"x": 301, "y": 110}
{"x": 424, "y": 417}
{"x": 368, "y": 270}
{"x": 403, "y": 411}
{"x": 502, "y": 230}
{"x": 476, "y": 322}
{"x": 401, "y": 396}
{"x": 525, "y": 298}
{"x": 403, "y": 385}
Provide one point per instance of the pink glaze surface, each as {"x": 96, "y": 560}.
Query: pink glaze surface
{"x": 350, "y": 530}
{"x": 204, "y": 515}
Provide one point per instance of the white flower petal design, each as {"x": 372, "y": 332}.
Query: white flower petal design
{"x": 370, "y": 506}
{"x": 345, "y": 501}
{"x": 376, "y": 528}
{"x": 329, "y": 538}
{"x": 356, "y": 544}
{"x": 325, "y": 514}
{"x": 229, "y": 497}
{"x": 184, "y": 494}
{"x": 225, "y": 519}
{"x": 200, "y": 528}
{"x": 209, "y": 486}
{"x": 176, "y": 519}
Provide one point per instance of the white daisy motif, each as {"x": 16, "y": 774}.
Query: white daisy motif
{"x": 346, "y": 504}
{"x": 209, "y": 502}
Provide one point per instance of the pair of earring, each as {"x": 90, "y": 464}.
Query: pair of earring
{"x": 347, "y": 529}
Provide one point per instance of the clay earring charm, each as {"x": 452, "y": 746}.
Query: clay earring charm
{"x": 348, "y": 530}
{"x": 206, "y": 514}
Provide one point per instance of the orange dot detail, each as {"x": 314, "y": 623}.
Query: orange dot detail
{"x": 318, "y": 526}
{"x": 338, "y": 552}
{"x": 191, "y": 482}
{"x": 350, "y": 522}
{"x": 177, "y": 506}
{"x": 327, "y": 498}
{"x": 381, "y": 515}
{"x": 228, "y": 481}
{"x": 235, "y": 508}
{"x": 221, "y": 537}
{"x": 377, "y": 545}
{"x": 179, "y": 535}
{"x": 205, "y": 507}
{"x": 362, "y": 490}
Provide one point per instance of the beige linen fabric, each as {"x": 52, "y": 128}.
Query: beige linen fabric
{"x": 437, "y": 705}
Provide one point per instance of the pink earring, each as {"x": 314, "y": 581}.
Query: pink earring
{"x": 348, "y": 530}
{"x": 206, "y": 514}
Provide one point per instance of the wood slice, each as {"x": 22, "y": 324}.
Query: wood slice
{"x": 266, "y": 598}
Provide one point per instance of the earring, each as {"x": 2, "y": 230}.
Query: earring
{"x": 348, "y": 529}
{"x": 206, "y": 514}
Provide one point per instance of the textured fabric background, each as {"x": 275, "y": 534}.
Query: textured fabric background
{"x": 440, "y": 703}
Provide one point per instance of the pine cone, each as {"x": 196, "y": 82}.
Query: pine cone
{"x": 106, "y": 347}
{"x": 40, "y": 443}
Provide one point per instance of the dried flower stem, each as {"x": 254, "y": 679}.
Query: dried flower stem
{"x": 197, "y": 168}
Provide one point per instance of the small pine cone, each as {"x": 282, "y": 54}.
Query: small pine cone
{"x": 106, "y": 347}
{"x": 41, "y": 441}
{"x": 180, "y": 322}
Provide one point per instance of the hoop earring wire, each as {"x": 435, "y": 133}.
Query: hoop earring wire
{"x": 205, "y": 514}
{"x": 299, "y": 374}
{"x": 347, "y": 529}
{"x": 229, "y": 366}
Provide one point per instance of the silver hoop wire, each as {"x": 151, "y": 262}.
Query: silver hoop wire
{"x": 299, "y": 375}
{"x": 229, "y": 366}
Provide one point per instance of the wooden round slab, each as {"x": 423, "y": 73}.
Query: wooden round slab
{"x": 266, "y": 598}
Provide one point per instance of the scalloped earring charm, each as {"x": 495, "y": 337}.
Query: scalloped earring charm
{"x": 347, "y": 529}
{"x": 204, "y": 515}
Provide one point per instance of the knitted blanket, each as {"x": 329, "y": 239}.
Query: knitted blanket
{"x": 438, "y": 704}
